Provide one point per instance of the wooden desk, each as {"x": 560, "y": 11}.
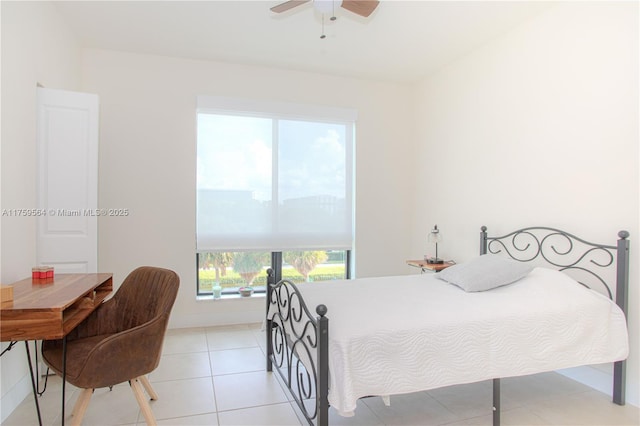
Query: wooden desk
{"x": 434, "y": 267}
{"x": 50, "y": 309}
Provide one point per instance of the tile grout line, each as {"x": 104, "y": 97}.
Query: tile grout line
{"x": 213, "y": 383}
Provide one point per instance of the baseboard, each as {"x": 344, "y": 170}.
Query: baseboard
{"x": 216, "y": 319}
{"x": 600, "y": 378}
{"x": 14, "y": 397}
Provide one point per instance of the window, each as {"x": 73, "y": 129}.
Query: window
{"x": 272, "y": 177}
{"x": 233, "y": 270}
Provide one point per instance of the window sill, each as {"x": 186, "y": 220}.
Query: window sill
{"x": 230, "y": 297}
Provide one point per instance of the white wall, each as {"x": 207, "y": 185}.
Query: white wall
{"x": 148, "y": 164}
{"x": 538, "y": 127}
{"x": 37, "y": 47}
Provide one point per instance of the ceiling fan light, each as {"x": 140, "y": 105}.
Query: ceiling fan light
{"x": 323, "y": 6}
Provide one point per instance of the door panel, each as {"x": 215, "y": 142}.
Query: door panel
{"x": 67, "y": 237}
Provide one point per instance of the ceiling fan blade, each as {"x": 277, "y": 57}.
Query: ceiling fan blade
{"x": 283, "y": 7}
{"x": 360, "y": 7}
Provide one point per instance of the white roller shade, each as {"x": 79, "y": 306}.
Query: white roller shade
{"x": 273, "y": 176}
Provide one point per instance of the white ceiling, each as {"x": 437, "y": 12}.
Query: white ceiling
{"x": 401, "y": 41}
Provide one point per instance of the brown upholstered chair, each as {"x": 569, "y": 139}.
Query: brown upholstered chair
{"x": 120, "y": 341}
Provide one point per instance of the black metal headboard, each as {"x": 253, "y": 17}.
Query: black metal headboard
{"x": 566, "y": 252}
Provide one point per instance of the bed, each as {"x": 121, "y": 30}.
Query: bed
{"x": 564, "y": 307}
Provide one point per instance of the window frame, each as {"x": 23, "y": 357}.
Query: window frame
{"x": 277, "y": 111}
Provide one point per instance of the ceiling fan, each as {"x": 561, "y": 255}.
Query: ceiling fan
{"x": 363, "y": 8}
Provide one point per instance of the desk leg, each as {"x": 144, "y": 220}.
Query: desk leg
{"x": 33, "y": 382}
{"x": 64, "y": 373}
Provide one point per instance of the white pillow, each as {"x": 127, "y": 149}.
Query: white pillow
{"x": 485, "y": 272}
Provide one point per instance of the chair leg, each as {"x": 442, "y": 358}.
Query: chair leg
{"x": 81, "y": 407}
{"x": 142, "y": 402}
{"x": 147, "y": 386}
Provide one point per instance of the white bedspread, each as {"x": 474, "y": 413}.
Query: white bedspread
{"x": 394, "y": 335}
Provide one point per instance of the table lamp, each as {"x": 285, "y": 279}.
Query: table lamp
{"x": 435, "y": 237}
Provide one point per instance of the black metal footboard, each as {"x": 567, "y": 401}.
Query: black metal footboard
{"x": 297, "y": 347}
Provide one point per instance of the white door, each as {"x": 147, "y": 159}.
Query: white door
{"x": 67, "y": 167}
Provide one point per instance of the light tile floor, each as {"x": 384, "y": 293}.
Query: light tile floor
{"x": 216, "y": 376}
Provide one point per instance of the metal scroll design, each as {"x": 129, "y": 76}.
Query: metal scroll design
{"x": 560, "y": 249}
{"x": 294, "y": 341}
